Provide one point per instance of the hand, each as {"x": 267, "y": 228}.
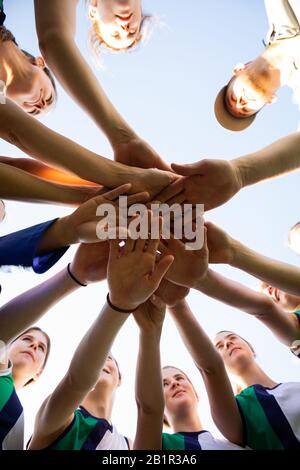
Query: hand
{"x": 150, "y": 315}
{"x": 208, "y": 182}
{"x": 90, "y": 262}
{"x": 81, "y": 225}
{"x": 152, "y": 180}
{"x": 133, "y": 274}
{"x": 171, "y": 293}
{"x": 220, "y": 245}
{"x": 189, "y": 266}
{"x": 139, "y": 153}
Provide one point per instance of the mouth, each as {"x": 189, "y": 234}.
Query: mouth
{"x": 29, "y": 354}
{"x": 124, "y": 19}
{"x": 233, "y": 349}
{"x": 177, "y": 393}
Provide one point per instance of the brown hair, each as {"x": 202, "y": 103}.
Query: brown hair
{"x": 48, "y": 341}
{"x": 233, "y": 333}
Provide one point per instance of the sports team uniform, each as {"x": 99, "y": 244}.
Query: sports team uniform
{"x": 271, "y": 417}
{"x": 202, "y": 440}
{"x": 86, "y": 432}
{"x": 11, "y": 414}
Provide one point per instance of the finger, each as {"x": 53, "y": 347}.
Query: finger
{"x": 161, "y": 268}
{"x": 114, "y": 249}
{"x": 187, "y": 170}
{"x": 179, "y": 199}
{"x": 129, "y": 246}
{"x": 172, "y": 190}
{"x": 115, "y": 193}
{"x": 153, "y": 243}
{"x": 139, "y": 197}
{"x": 163, "y": 249}
{"x": 142, "y": 242}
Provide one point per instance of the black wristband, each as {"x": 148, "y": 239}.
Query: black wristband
{"x": 121, "y": 310}
{"x": 74, "y": 278}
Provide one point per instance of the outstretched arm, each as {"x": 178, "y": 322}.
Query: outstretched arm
{"x": 223, "y": 405}
{"x": 284, "y": 325}
{"x": 214, "y": 182}
{"x": 18, "y": 185}
{"x": 148, "y": 389}
{"x": 224, "y": 249}
{"x": 132, "y": 277}
{"x": 45, "y": 172}
{"x": 35, "y": 139}
{"x": 56, "y": 28}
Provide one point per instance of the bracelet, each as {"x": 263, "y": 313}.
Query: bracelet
{"x": 74, "y": 278}
{"x": 121, "y": 310}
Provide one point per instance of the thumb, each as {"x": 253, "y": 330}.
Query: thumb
{"x": 187, "y": 170}
{"x": 162, "y": 267}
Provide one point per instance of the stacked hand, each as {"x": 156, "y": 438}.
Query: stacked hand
{"x": 133, "y": 272}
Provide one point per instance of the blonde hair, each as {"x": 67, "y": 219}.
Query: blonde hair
{"x": 97, "y": 43}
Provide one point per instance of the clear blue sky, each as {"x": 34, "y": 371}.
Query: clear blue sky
{"x": 166, "y": 91}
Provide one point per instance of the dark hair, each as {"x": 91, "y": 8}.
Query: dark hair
{"x": 36, "y": 328}
{"x": 46, "y": 70}
{"x": 233, "y": 333}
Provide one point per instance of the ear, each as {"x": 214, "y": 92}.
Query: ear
{"x": 93, "y": 11}
{"x": 272, "y": 100}
{"x": 39, "y": 62}
{"x": 238, "y": 68}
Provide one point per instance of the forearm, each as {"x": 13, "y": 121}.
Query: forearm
{"x": 276, "y": 273}
{"x": 76, "y": 76}
{"x": 42, "y": 143}
{"x": 45, "y": 172}
{"x": 149, "y": 393}
{"x": 282, "y": 324}
{"x": 234, "y": 294}
{"x": 26, "y": 309}
{"x": 195, "y": 339}
{"x": 279, "y": 158}
{"x": 17, "y": 185}
{"x": 94, "y": 348}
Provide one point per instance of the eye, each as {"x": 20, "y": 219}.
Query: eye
{"x": 165, "y": 384}
{"x": 42, "y": 348}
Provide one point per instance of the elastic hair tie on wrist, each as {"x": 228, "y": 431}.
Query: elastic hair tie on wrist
{"x": 117, "y": 309}
{"x": 74, "y": 278}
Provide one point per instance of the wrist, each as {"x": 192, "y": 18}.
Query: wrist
{"x": 76, "y": 275}
{"x": 121, "y": 305}
{"x": 68, "y": 231}
{"x": 240, "y": 171}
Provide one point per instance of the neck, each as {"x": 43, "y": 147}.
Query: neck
{"x": 253, "y": 374}
{"x": 279, "y": 59}
{"x": 19, "y": 380}
{"x": 13, "y": 63}
{"x": 187, "y": 422}
{"x": 99, "y": 406}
